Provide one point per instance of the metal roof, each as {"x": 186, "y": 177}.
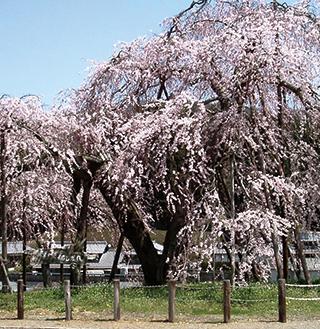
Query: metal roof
{"x": 93, "y": 247}
{"x": 105, "y": 261}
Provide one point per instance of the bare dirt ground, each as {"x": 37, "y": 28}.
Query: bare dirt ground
{"x": 109, "y": 324}
{"x": 43, "y": 319}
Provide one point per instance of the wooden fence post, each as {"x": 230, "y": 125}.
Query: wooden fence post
{"x": 172, "y": 299}
{"x": 282, "y": 300}
{"x": 67, "y": 300}
{"x": 20, "y": 300}
{"x": 226, "y": 301}
{"x": 116, "y": 302}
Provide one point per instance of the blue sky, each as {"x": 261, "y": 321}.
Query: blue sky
{"x": 46, "y": 45}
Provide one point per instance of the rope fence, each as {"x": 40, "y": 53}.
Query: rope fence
{"x": 303, "y": 299}
{"x": 303, "y": 285}
{"x": 166, "y": 300}
{"x": 300, "y": 293}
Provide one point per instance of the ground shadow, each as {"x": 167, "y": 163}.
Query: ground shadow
{"x": 55, "y": 319}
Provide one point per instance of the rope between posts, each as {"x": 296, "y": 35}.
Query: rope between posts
{"x": 198, "y": 288}
{"x": 56, "y": 288}
{"x": 254, "y": 287}
{"x": 251, "y": 300}
{"x": 91, "y": 285}
{"x": 304, "y": 299}
{"x": 147, "y": 287}
{"x": 303, "y": 285}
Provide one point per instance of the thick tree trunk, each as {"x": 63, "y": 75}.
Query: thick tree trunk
{"x": 171, "y": 249}
{"x": 151, "y": 263}
{"x": 154, "y": 266}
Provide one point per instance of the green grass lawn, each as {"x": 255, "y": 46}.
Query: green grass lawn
{"x": 196, "y": 301}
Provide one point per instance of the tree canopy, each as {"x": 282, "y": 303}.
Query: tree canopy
{"x": 208, "y": 131}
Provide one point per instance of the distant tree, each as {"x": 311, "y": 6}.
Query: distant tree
{"x": 35, "y": 190}
{"x": 43, "y": 181}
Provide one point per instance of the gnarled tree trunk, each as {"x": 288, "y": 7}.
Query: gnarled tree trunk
{"x": 155, "y": 267}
